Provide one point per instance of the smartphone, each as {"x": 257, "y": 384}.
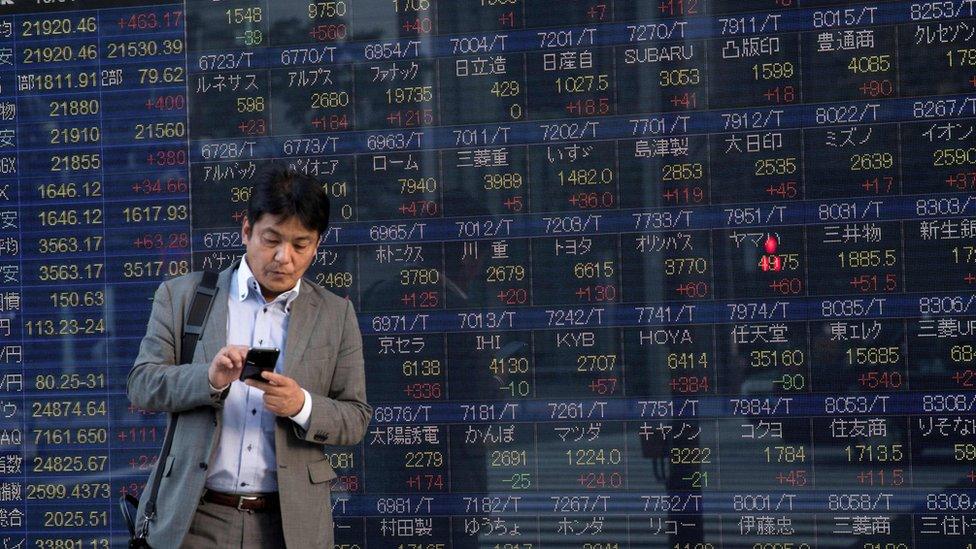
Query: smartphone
{"x": 258, "y": 360}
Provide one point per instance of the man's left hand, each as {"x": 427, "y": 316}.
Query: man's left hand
{"x": 282, "y": 395}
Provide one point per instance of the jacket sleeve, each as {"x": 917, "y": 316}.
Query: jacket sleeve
{"x": 155, "y": 382}
{"x": 341, "y": 417}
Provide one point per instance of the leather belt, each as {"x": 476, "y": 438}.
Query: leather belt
{"x": 267, "y": 502}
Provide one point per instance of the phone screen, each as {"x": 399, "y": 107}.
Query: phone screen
{"x": 258, "y": 360}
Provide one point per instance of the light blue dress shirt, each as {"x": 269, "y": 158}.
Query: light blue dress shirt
{"x": 244, "y": 462}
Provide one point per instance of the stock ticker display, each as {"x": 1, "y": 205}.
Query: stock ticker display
{"x": 683, "y": 274}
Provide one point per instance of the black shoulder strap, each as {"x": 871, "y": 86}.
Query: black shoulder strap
{"x": 197, "y": 317}
{"x": 192, "y": 329}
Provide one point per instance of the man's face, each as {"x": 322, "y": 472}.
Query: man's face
{"x": 279, "y": 251}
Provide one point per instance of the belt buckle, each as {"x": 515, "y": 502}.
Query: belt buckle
{"x": 242, "y": 499}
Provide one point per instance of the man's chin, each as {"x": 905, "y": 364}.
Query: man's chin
{"x": 277, "y": 285}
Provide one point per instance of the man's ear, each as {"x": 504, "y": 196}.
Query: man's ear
{"x": 245, "y": 230}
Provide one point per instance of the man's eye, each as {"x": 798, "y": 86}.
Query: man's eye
{"x": 271, "y": 242}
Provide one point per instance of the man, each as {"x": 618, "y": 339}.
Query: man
{"x": 247, "y": 467}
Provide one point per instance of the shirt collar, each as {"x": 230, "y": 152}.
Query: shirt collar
{"x": 246, "y": 284}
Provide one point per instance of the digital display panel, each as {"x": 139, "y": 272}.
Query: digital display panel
{"x": 684, "y": 274}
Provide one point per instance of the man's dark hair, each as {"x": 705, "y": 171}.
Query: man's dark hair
{"x": 281, "y": 191}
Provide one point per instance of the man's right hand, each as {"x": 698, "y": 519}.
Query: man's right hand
{"x": 226, "y": 366}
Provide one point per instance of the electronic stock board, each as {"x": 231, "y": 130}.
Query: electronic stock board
{"x": 687, "y": 274}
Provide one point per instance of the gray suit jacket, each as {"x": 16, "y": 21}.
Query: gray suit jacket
{"x": 323, "y": 353}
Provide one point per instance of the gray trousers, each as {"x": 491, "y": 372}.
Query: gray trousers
{"x": 221, "y": 527}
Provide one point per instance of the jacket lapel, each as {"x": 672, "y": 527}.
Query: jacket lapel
{"x": 301, "y": 324}
{"x": 215, "y": 332}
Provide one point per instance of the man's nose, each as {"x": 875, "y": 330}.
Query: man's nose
{"x": 283, "y": 253}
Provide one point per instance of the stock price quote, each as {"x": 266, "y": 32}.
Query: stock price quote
{"x": 682, "y": 274}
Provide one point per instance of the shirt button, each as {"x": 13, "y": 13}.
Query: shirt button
{"x": 203, "y": 466}
{"x": 265, "y": 309}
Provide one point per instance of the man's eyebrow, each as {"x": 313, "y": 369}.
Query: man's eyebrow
{"x": 270, "y": 231}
